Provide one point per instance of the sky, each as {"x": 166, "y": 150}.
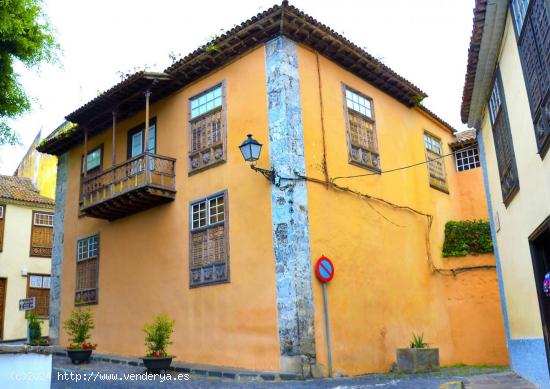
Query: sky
{"x": 425, "y": 41}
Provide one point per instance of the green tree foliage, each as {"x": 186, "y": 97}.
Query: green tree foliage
{"x": 467, "y": 237}
{"x": 25, "y": 36}
{"x": 79, "y": 326}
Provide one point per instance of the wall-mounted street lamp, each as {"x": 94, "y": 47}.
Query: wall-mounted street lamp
{"x": 251, "y": 149}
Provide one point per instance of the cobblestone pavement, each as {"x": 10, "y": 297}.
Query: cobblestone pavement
{"x": 108, "y": 375}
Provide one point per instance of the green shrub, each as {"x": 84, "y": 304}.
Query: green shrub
{"x": 417, "y": 341}
{"x": 467, "y": 237}
{"x": 35, "y": 329}
{"x": 78, "y": 326}
{"x": 157, "y": 335}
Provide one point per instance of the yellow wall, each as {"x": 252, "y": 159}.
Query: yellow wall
{"x": 40, "y": 168}
{"x": 14, "y": 259}
{"x": 383, "y": 289}
{"x": 529, "y": 207}
{"x": 144, "y": 265}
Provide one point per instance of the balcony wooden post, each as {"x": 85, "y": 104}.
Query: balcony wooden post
{"x": 146, "y": 136}
{"x": 85, "y": 162}
{"x": 114, "y": 139}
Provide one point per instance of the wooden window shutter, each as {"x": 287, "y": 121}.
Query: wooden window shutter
{"x": 41, "y": 234}
{"x": 504, "y": 148}
{"x": 41, "y": 292}
{"x": 208, "y": 253}
{"x": 87, "y": 271}
{"x": 534, "y": 49}
{"x": 207, "y": 129}
{"x": 2, "y": 222}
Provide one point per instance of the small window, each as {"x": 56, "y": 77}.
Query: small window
{"x": 87, "y": 270}
{"x": 1, "y": 211}
{"x": 467, "y": 159}
{"x": 208, "y": 249}
{"x": 361, "y": 129}
{"x": 136, "y": 139}
{"x": 94, "y": 159}
{"x": 41, "y": 234}
{"x": 436, "y": 164}
{"x": 207, "y": 129}
{"x": 38, "y": 286}
{"x": 519, "y": 10}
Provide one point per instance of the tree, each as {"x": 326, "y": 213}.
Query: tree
{"x": 25, "y": 36}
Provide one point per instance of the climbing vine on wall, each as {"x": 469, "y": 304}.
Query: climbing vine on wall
{"x": 467, "y": 237}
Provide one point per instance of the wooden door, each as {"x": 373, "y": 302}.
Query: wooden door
{"x": 3, "y": 288}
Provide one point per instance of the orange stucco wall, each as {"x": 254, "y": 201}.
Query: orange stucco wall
{"x": 143, "y": 262}
{"x": 383, "y": 289}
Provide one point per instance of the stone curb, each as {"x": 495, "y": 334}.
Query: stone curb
{"x": 197, "y": 370}
{"x": 26, "y": 349}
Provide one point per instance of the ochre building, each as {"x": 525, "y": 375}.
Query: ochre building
{"x": 169, "y": 217}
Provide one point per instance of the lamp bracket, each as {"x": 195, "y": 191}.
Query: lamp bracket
{"x": 270, "y": 175}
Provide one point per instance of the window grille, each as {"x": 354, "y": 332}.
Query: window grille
{"x": 519, "y": 10}
{"x": 87, "y": 270}
{"x": 361, "y": 128}
{"x": 436, "y": 164}
{"x": 467, "y": 159}
{"x": 208, "y": 244}
{"x": 207, "y": 129}
{"x": 41, "y": 234}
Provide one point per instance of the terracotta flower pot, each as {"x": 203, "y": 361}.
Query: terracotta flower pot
{"x": 157, "y": 365}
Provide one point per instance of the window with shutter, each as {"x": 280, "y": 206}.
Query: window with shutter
{"x": 87, "y": 270}
{"x": 208, "y": 253}
{"x": 207, "y": 137}
{"x": 38, "y": 286}
{"x": 41, "y": 234}
{"x": 361, "y": 130}
{"x": 504, "y": 147}
{"x": 2, "y": 221}
{"x": 532, "y": 26}
{"x": 436, "y": 164}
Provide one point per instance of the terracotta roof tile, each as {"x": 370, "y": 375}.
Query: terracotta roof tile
{"x": 463, "y": 138}
{"x": 21, "y": 190}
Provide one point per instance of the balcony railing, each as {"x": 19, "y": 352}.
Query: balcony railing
{"x": 137, "y": 184}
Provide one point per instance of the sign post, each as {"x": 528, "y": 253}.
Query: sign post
{"x": 324, "y": 269}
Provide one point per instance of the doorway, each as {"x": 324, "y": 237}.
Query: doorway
{"x": 540, "y": 255}
{"x": 3, "y": 288}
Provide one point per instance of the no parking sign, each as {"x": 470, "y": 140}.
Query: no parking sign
{"x": 324, "y": 269}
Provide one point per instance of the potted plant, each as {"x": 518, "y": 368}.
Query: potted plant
{"x": 418, "y": 358}
{"x": 35, "y": 330}
{"x": 78, "y": 327}
{"x": 157, "y": 339}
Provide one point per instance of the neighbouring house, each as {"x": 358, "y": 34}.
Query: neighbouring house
{"x": 40, "y": 168}
{"x": 507, "y": 99}
{"x": 26, "y": 233}
{"x": 156, "y": 210}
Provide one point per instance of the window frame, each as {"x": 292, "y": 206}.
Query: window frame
{"x": 41, "y": 275}
{"x": 477, "y": 160}
{"x": 444, "y": 187}
{"x": 497, "y": 83}
{"x": 372, "y": 120}
{"x": 97, "y": 257}
{"x": 96, "y": 169}
{"x": 33, "y": 227}
{"x": 541, "y": 112}
{"x": 134, "y": 130}
{"x": 208, "y": 226}
{"x": 191, "y": 120}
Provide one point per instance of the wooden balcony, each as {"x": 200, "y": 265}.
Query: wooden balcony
{"x": 137, "y": 184}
